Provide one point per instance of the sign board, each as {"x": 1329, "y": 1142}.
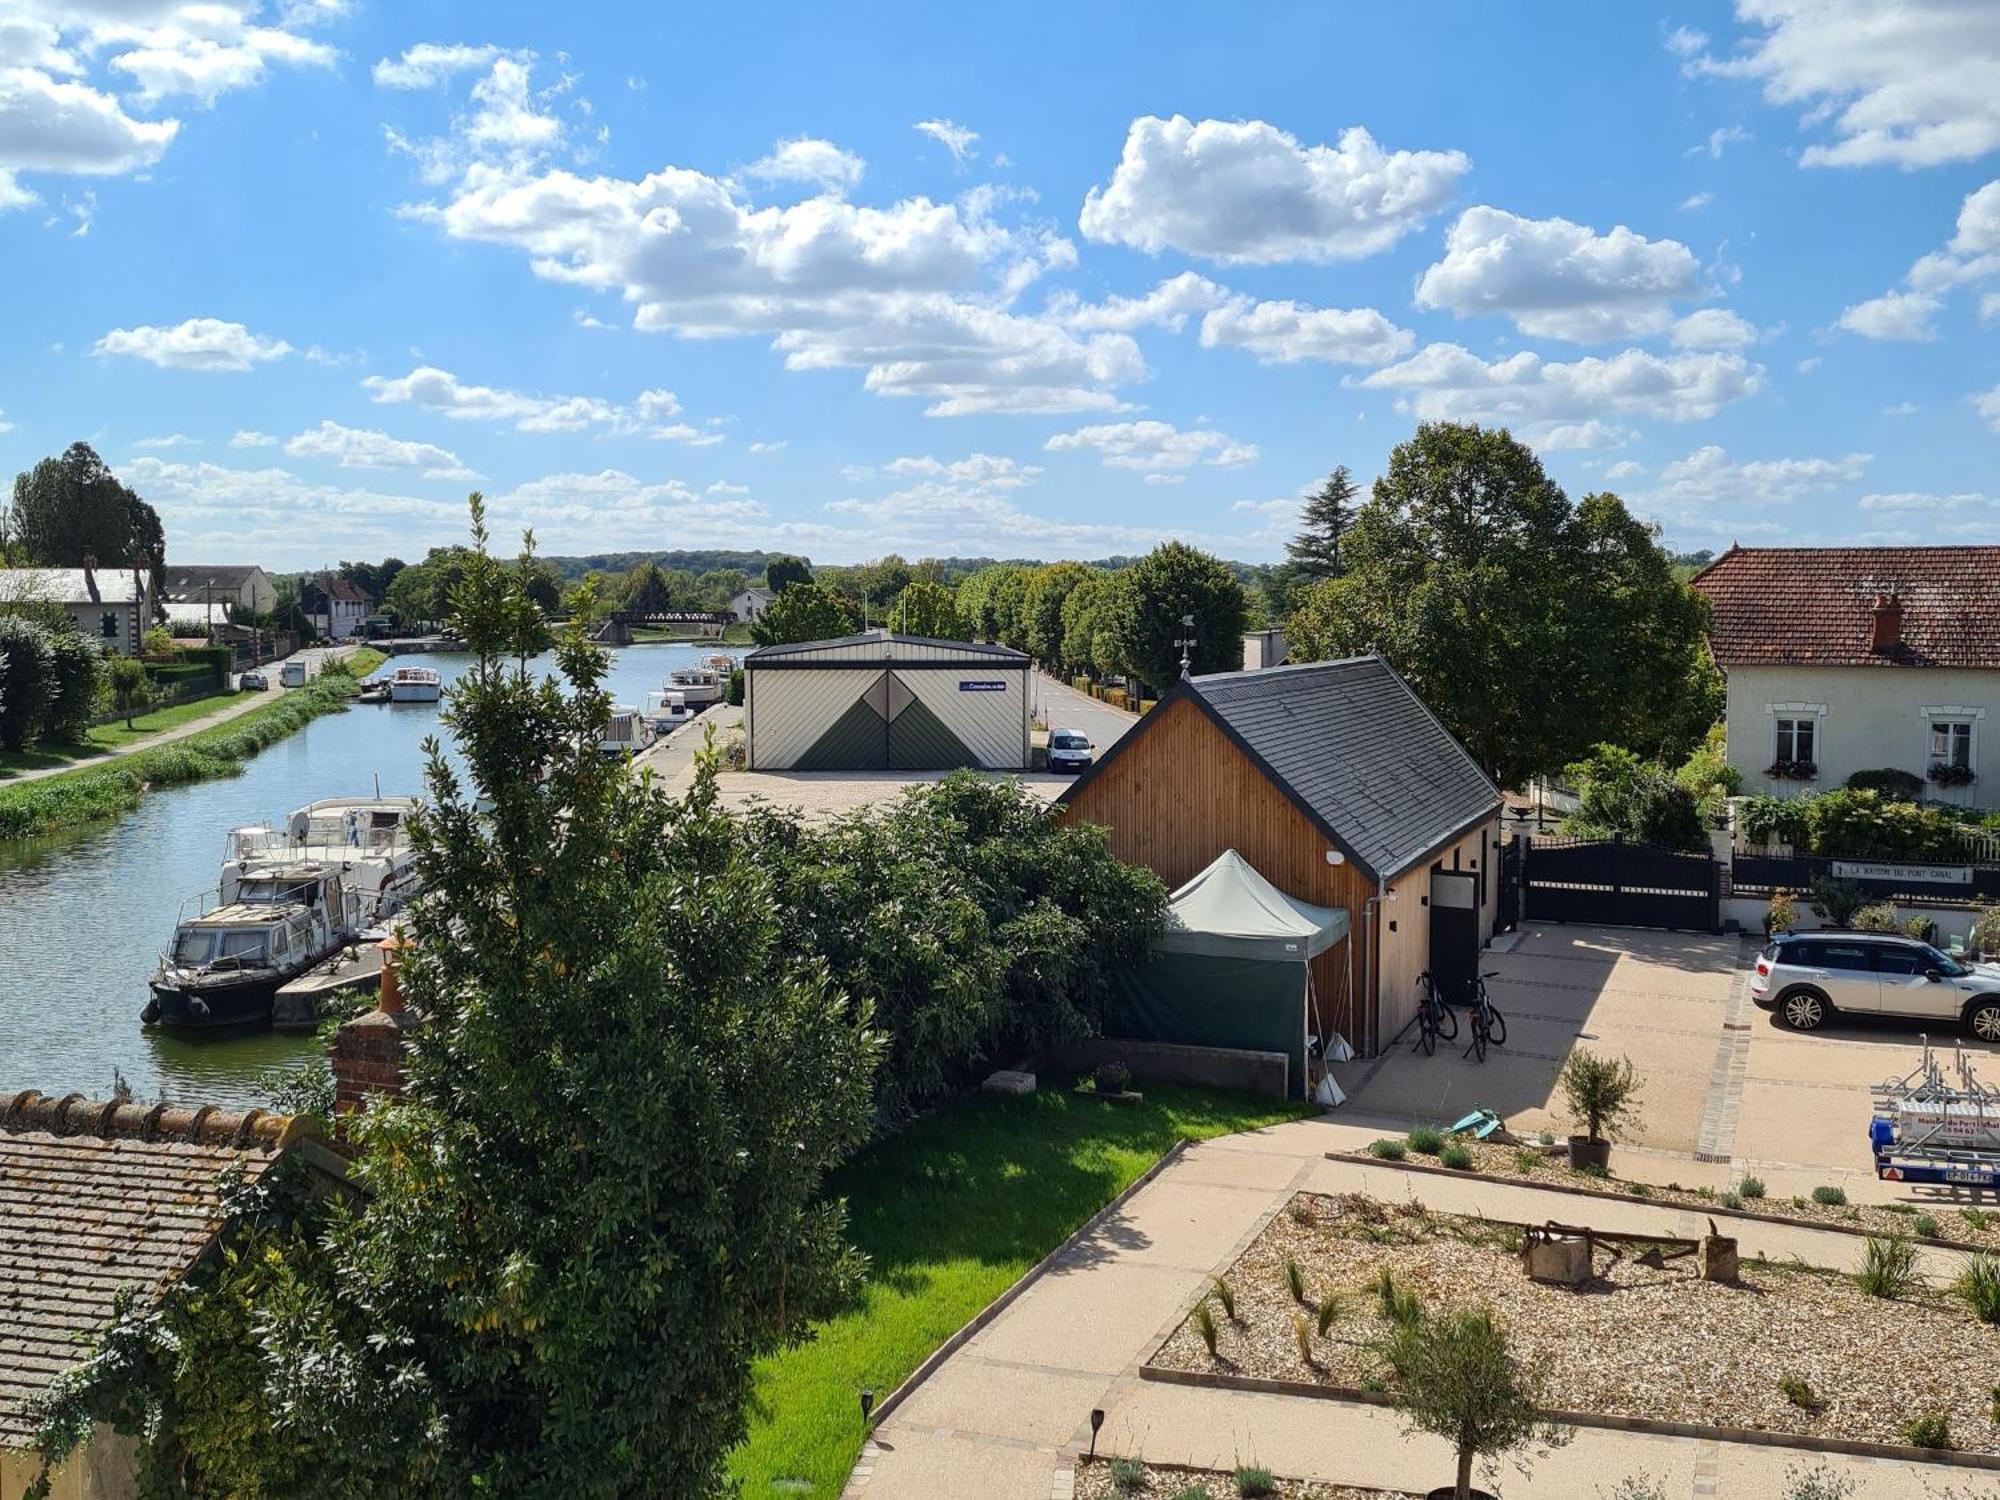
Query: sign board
{"x": 1867, "y": 869}
{"x": 978, "y": 686}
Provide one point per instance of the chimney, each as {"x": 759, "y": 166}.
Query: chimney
{"x": 1886, "y": 627}
{"x": 368, "y": 1052}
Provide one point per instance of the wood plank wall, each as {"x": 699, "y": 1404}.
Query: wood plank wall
{"x": 1180, "y": 792}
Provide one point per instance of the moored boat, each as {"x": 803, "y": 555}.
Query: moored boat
{"x": 699, "y": 685}
{"x": 625, "y": 733}
{"x": 415, "y": 685}
{"x": 228, "y": 960}
{"x": 666, "y": 712}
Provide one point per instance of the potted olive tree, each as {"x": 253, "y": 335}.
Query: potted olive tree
{"x": 1453, "y": 1374}
{"x": 1599, "y": 1092}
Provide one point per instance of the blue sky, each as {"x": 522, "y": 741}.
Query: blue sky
{"x": 1021, "y": 281}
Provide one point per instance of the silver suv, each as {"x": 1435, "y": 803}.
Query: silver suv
{"x": 1808, "y": 977}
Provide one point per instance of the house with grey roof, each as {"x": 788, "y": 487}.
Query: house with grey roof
{"x": 111, "y": 606}
{"x": 217, "y": 593}
{"x": 1342, "y": 789}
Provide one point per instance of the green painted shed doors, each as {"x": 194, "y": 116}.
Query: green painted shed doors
{"x": 886, "y": 727}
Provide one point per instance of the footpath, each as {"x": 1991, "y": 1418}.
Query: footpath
{"x": 236, "y": 707}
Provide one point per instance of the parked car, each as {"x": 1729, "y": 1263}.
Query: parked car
{"x": 253, "y": 682}
{"x": 1810, "y": 977}
{"x": 293, "y": 674}
{"x": 1069, "y": 750}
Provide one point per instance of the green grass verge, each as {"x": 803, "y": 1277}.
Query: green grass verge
{"x": 104, "y": 738}
{"x": 951, "y": 1212}
{"x": 92, "y": 794}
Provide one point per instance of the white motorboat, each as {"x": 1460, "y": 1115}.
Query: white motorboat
{"x": 363, "y": 837}
{"x": 666, "y": 712}
{"x": 415, "y": 685}
{"x": 699, "y": 685}
{"x": 229, "y": 956}
{"x": 625, "y": 733}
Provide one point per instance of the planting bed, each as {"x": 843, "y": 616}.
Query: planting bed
{"x": 1094, "y": 1481}
{"x": 1956, "y": 1223}
{"x": 1658, "y": 1344}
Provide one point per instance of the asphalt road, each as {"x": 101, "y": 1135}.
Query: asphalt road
{"x": 1060, "y": 706}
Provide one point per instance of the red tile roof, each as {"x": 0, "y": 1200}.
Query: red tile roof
{"x": 1814, "y": 606}
{"x": 96, "y": 1196}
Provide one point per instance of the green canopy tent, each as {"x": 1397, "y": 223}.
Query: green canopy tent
{"x": 1230, "y": 968}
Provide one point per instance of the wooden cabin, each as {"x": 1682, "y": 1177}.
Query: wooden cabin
{"x": 1342, "y": 789}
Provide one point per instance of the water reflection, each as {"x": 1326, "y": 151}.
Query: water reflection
{"x": 83, "y": 915}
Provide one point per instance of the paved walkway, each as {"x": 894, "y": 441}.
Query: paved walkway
{"x": 1003, "y": 1416}
{"x": 315, "y": 657}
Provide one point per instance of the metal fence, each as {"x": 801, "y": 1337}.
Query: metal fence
{"x": 1756, "y": 876}
{"x": 1620, "y": 884}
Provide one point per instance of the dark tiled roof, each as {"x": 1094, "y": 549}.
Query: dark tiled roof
{"x": 95, "y": 1197}
{"x": 193, "y": 580}
{"x": 1813, "y": 606}
{"x": 881, "y": 637}
{"x": 1354, "y": 748}
{"x": 341, "y": 588}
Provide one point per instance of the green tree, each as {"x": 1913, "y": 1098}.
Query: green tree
{"x": 881, "y": 581}
{"x": 542, "y": 583}
{"x": 1153, "y": 599}
{"x": 782, "y": 570}
{"x": 131, "y": 689}
{"x": 990, "y": 600}
{"x": 1325, "y": 522}
{"x": 71, "y": 508}
{"x": 76, "y": 669}
{"x": 1533, "y": 628}
{"x": 715, "y": 588}
{"x": 928, "y": 609}
{"x": 27, "y": 679}
{"x": 646, "y": 590}
{"x": 1082, "y": 614}
{"x": 1453, "y": 1374}
{"x": 1042, "y": 598}
{"x": 803, "y": 612}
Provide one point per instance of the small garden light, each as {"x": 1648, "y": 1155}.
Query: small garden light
{"x": 1096, "y": 1421}
{"x": 867, "y": 1405}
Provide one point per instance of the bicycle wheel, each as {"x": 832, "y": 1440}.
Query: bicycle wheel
{"x": 1478, "y": 1046}
{"x": 1496, "y": 1026}
{"x": 1427, "y": 1036}
{"x": 1447, "y": 1022}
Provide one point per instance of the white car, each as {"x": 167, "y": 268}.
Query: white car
{"x": 1809, "y": 977}
{"x": 253, "y": 682}
{"x": 1069, "y": 750}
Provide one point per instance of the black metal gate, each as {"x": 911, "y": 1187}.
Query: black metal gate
{"x": 1507, "y": 898}
{"x": 1617, "y": 884}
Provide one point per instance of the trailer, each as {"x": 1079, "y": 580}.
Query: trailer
{"x": 1934, "y": 1127}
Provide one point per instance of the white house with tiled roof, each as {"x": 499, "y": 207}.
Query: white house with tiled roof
{"x": 1846, "y": 659}
{"x": 111, "y": 606}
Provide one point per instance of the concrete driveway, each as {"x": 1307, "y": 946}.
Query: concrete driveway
{"x": 1725, "y": 1088}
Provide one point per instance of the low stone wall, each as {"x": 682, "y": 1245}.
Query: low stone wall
{"x": 1248, "y": 1072}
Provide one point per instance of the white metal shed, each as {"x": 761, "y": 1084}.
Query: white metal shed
{"x": 885, "y": 702}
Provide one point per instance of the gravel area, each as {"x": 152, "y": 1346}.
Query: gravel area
{"x": 1941, "y": 1219}
{"x": 1637, "y": 1341}
{"x": 1094, "y": 1482}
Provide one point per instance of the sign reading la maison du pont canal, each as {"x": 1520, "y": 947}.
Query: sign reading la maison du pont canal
{"x": 981, "y": 686}
{"x": 1866, "y": 869}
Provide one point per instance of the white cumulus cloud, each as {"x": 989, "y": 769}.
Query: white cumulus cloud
{"x": 196, "y": 344}
{"x": 1154, "y": 446}
{"x": 1714, "y": 328}
{"x": 1901, "y": 316}
{"x": 429, "y": 64}
{"x": 1246, "y": 191}
{"x": 1167, "y": 305}
{"x": 1558, "y": 279}
{"x": 1286, "y": 332}
{"x": 1710, "y": 477}
{"x": 818, "y": 163}
{"x": 365, "y": 448}
{"x": 963, "y": 144}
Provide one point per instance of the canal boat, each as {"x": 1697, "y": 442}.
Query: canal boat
{"x": 365, "y": 837}
{"x": 228, "y": 960}
{"x": 373, "y": 690}
{"x": 699, "y": 685}
{"x": 415, "y": 685}
{"x": 666, "y": 712}
{"x": 625, "y": 733}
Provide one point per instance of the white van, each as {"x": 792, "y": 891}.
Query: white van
{"x": 293, "y": 674}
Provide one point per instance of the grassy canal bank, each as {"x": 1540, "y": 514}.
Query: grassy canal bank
{"x": 96, "y": 793}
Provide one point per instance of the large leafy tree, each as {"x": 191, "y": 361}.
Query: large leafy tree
{"x": 1323, "y": 526}
{"x": 990, "y": 599}
{"x": 1508, "y": 608}
{"x": 69, "y": 508}
{"x": 803, "y": 612}
{"x": 881, "y": 581}
{"x": 1150, "y": 601}
{"x": 1042, "y": 599}
{"x": 782, "y": 570}
{"x": 927, "y": 609}
{"x": 646, "y": 589}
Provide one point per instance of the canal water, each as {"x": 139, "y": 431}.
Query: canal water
{"x": 83, "y": 916}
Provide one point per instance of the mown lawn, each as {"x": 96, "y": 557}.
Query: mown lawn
{"x": 951, "y": 1212}
{"x": 107, "y": 737}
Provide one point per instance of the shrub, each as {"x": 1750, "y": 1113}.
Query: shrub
{"x": 1253, "y": 1481}
{"x": 735, "y": 694}
{"x": 1619, "y": 795}
{"x": 1427, "y": 1139}
{"x": 1975, "y": 1218}
{"x": 1128, "y": 1475}
{"x": 1456, "y": 1376}
{"x": 1817, "y": 1483}
{"x": 1708, "y": 777}
{"x": 1193, "y": 1492}
{"x": 1986, "y": 930}
{"x": 1773, "y": 820}
{"x": 27, "y": 680}
{"x": 1751, "y": 1187}
{"x": 1925, "y": 1226}
{"x": 1226, "y": 1296}
{"x": 1635, "y": 1487}
{"x": 1836, "y": 901}
{"x": 1830, "y": 1197}
{"x": 1455, "y": 1156}
{"x": 1730, "y": 1200}
{"x": 1795, "y": 1389}
{"x": 1979, "y": 1285}
{"x": 1396, "y": 1305}
{"x": 1387, "y": 1150}
{"x": 1888, "y": 1266}
{"x": 1877, "y": 916}
{"x": 1302, "y": 1336}
{"x": 1931, "y": 1429}
{"x": 1599, "y": 1091}
{"x": 1783, "y": 913}
{"x": 1295, "y": 1280}
{"x": 1111, "y": 1077}
{"x": 1204, "y": 1326}
{"x": 76, "y": 670}
{"x": 1526, "y": 1161}
{"x": 1888, "y": 783}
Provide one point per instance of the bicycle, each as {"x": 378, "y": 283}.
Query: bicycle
{"x": 1488, "y": 1025}
{"x": 1435, "y": 1020}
